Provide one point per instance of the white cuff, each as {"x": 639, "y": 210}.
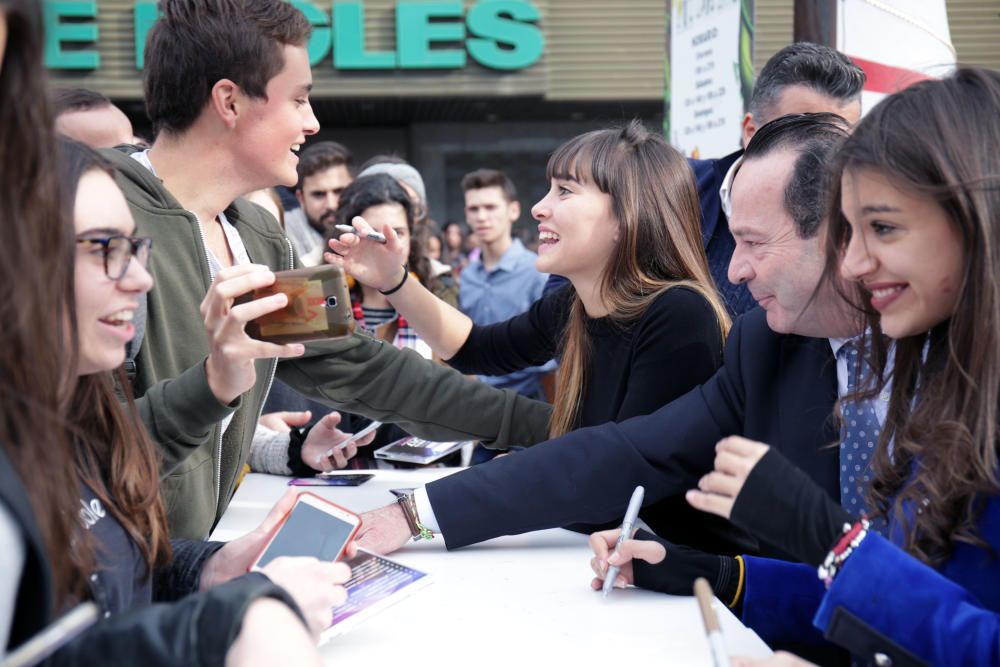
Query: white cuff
{"x": 425, "y": 513}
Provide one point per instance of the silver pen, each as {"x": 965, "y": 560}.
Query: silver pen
{"x": 631, "y": 514}
{"x": 371, "y": 236}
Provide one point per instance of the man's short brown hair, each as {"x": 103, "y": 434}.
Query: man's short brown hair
{"x": 488, "y": 178}
{"x": 65, "y": 100}
{"x": 322, "y": 156}
{"x": 196, "y": 43}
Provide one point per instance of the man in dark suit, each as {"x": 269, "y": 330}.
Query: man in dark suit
{"x": 800, "y": 78}
{"x": 778, "y": 383}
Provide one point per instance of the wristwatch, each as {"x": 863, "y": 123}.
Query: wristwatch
{"x": 404, "y": 497}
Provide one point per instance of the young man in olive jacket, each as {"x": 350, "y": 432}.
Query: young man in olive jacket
{"x": 230, "y": 115}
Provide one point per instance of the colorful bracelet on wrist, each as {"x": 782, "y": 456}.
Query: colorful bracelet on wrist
{"x": 845, "y": 546}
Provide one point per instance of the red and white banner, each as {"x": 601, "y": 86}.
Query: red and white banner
{"x": 896, "y": 42}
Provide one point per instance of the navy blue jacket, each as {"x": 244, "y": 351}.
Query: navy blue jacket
{"x": 775, "y": 388}
{"x": 716, "y": 237}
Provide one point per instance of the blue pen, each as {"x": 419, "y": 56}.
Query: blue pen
{"x": 371, "y": 236}
{"x": 631, "y": 514}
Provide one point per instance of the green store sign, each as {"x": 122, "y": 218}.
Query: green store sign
{"x": 498, "y": 34}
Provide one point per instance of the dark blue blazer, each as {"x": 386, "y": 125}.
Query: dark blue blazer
{"x": 716, "y": 237}
{"x": 778, "y": 389}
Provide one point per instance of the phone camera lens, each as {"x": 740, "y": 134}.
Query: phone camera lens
{"x": 331, "y": 301}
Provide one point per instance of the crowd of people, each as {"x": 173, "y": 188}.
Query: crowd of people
{"x": 795, "y": 349}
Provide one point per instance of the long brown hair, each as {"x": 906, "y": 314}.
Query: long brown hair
{"x": 37, "y": 349}
{"x": 938, "y": 139}
{"x": 655, "y": 204}
{"x": 114, "y": 456}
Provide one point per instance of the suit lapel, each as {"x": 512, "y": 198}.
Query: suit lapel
{"x": 807, "y": 391}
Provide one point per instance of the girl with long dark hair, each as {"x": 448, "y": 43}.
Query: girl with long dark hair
{"x": 641, "y": 322}
{"x": 110, "y": 521}
{"x": 913, "y": 233}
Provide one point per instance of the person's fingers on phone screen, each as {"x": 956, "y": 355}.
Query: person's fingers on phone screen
{"x": 259, "y": 349}
{"x": 228, "y": 286}
{"x": 251, "y": 310}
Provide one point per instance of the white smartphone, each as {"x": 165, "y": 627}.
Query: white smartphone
{"x": 314, "y": 527}
{"x": 355, "y": 437}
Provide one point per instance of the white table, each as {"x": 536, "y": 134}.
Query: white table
{"x": 524, "y": 598}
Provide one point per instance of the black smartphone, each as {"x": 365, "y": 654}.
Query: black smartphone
{"x": 332, "y": 480}
{"x": 319, "y": 306}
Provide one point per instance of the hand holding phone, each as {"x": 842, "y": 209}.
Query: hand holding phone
{"x": 313, "y": 527}
{"x": 226, "y": 310}
{"x": 319, "y": 306}
{"x": 355, "y": 437}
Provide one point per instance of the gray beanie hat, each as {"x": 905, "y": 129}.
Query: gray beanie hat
{"x": 403, "y": 173}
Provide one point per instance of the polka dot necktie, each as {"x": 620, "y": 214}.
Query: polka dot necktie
{"x": 858, "y": 434}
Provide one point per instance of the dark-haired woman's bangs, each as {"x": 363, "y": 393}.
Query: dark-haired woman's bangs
{"x": 571, "y": 161}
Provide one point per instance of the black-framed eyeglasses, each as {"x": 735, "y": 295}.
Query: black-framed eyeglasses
{"x": 119, "y": 250}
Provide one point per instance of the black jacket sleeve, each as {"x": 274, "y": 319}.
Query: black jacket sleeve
{"x": 525, "y": 340}
{"x": 781, "y": 505}
{"x": 183, "y": 574}
{"x": 588, "y": 475}
{"x": 197, "y": 630}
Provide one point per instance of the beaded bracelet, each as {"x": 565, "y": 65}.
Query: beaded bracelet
{"x": 845, "y": 546}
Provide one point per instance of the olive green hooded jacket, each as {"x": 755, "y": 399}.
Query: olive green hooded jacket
{"x": 201, "y": 463}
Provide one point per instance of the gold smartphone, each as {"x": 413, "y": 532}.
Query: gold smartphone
{"x": 319, "y": 307}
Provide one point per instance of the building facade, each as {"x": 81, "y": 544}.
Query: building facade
{"x": 457, "y": 85}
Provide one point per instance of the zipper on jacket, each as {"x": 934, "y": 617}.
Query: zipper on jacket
{"x": 218, "y": 442}
{"x": 274, "y": 362}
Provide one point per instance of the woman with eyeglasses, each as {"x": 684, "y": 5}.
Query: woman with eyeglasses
{"x": 89, "y": 523}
